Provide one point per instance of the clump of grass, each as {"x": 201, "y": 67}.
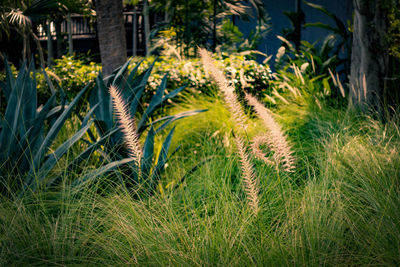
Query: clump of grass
{"x": 228, "y": 91}
{"x": 249, "y": 178}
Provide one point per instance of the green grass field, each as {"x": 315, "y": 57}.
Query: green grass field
{"x": 340, "y": 206}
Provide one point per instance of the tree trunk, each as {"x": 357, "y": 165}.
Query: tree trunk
{"x": 49, "y": 43}
{"x": 298, "y": 24}
{"x": 111, "y": 33}
{"x": 214, "y": 45}
{"x": 369, "y": 59}
{"x": 146, "y": 26}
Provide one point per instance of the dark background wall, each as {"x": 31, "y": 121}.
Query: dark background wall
{"x": 275, "y": 8}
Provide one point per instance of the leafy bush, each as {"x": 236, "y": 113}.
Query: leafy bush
{"x": 70, "y": 73}
{"x": 73, "y": 74}
{"x": 244, "y": 72}
{"x": 306, "y": 75}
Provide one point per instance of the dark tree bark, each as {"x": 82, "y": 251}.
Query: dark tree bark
{"x": 214, "y": 44}
{"x": 111, "y": 34}
{"x": 298, "y": 24}
{"x": 369, "y": 59}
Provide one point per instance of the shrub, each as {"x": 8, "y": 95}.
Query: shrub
{"x": 244, "y": 72}
{"x": 70, "y": 73}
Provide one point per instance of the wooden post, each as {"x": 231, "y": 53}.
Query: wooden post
{"x": 134, "y": 32}
{"x": 146, "y": 26}
{"x": 69, "y": 29}
{"x": 49, "y": 43}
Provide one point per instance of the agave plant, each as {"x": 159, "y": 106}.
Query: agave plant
{"x": 27, "y": 131}
{"x": 129, "y": 88}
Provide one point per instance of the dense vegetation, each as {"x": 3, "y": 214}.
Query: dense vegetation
{"x": 338, "y": 206}
{"x": 199, "y": 159}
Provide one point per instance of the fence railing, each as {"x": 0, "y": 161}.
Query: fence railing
{"x": 84, "y": 27}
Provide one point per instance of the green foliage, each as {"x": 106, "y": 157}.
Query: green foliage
{"x": 244, "y": 72}
{"x": 307, "y": 75}
{"x": 197, "y": 22}
{"x": 71, "y": 73}
{"x": 27, "y": 132}
{"x": 341, "y": 208}
{"x": 341, "y": 35}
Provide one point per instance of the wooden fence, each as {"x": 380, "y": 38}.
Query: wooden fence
{"x": 84, "y": 33}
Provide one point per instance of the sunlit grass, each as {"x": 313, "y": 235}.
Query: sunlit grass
{"x": 340, "y": 206}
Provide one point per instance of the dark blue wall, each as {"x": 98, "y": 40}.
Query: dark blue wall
{"x": 275, "y": 8}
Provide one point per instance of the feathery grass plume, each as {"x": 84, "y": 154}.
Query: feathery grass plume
{"x": 229, "y": 92}
{"x": 250, "y": 182}
{"x": 128, "y": 125}
{"x": 257, "y": 152}
{"x": 277, "y": 141}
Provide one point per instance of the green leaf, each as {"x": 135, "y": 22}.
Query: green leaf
{"x": 52, "y": 133}
{"x": 10, "y": 81}
{"x": 35, "y": 134}
{"x": 85, "y": 154}
{"x": 100, "y": 95}
{"x": 12, "y": 117}
{"x": 119, "y": 76}
{"x": 127, "y": 86}
{"x": 322, "y": 26}
{"x": 88, "y": 115}
{"x": 54, "y": 157}
{"x": 138, "y": 87}
{"x": 90, "y": 176}
{"x": 155, "y": 102}
{"x": 172, "y": 118}
{"x": 162, "y": 158}
{"x": 49, "y": 83}
{"x": 148, "y": 151}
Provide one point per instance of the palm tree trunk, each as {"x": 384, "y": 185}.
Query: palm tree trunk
{"x": 111, "y": 34}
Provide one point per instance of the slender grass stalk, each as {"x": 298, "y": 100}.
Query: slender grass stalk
{"x": 249, "y": 178}
{"x": 229, "y": 92}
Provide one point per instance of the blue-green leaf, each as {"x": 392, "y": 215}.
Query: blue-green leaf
{"x": 54, "y": 157}
{"x": 54, "y": 131}
{"x": 138, "y": 87}
{"x": 162, "y": 158}
{"x": 119, "y": 76}
{"x": 155, "y": 102}
{"x": 148, "y": 151}
{"x": 90, "y": 176}
{"x": 100, "y": 95}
